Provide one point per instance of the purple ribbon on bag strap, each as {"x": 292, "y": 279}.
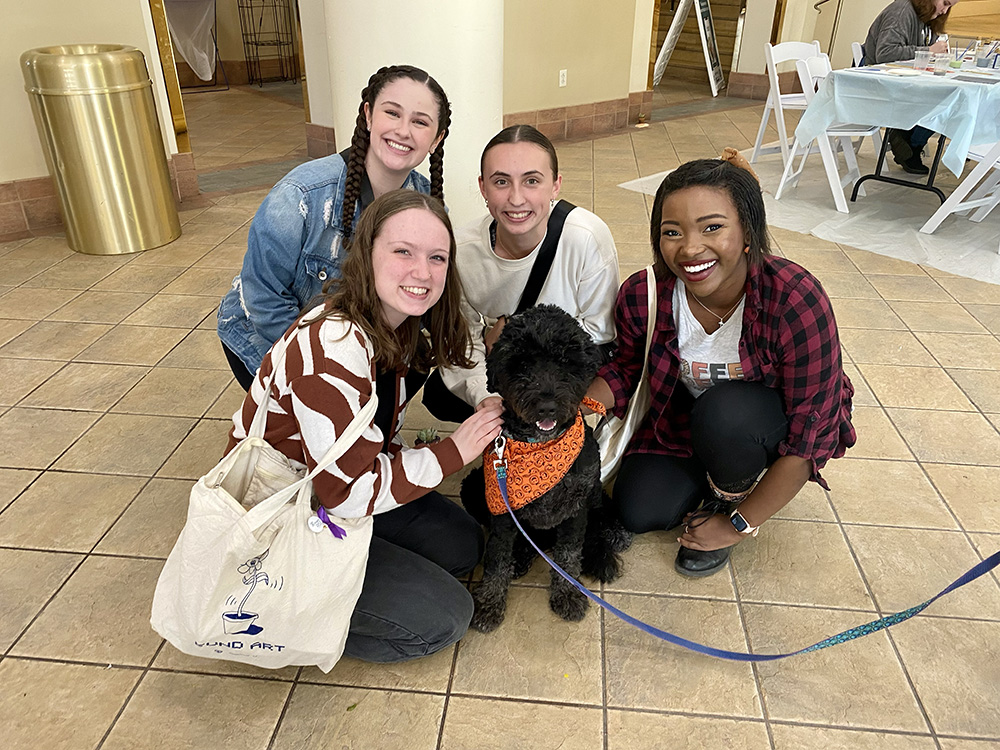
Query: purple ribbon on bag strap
{"x": 334, "y": 528}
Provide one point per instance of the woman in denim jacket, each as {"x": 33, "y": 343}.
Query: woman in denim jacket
{"x": 296, "y": 238}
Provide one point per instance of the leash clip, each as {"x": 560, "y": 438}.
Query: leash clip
{"x": 498, "y": 447}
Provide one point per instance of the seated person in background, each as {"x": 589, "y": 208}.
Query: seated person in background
{"x": 745, "y": 372}
{"x": 364, "y": 339}
{"x": 894, "y": 35}
{"x": 520, "y": 180}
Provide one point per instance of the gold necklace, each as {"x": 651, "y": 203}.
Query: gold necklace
{"x": 722, "y": 318}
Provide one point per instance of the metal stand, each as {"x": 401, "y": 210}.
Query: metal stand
{"x": 212, "y": 85}
{"x": 268, "y": 36}
{"x": 878, "y": 177}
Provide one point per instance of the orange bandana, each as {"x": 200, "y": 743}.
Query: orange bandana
{"x": 534, "y": 468}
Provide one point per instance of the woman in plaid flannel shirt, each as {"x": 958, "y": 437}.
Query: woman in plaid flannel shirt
{"x": 748, "y": 395}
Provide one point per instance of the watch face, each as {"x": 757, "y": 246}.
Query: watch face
{"x": 739, "y": 523}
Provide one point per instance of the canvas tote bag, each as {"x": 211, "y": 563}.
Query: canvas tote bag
{"x": 613, "y": 434}
{"x": 271, "y": 586}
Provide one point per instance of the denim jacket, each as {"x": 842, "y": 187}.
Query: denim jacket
{"x": 293, "y": 247}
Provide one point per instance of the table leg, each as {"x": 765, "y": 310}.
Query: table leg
{"x": 878, "y": 177}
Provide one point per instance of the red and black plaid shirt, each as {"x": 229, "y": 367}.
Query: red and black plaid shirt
{"x": 789, "y": 343}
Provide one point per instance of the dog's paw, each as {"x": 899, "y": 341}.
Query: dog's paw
{"x": 569, "y": 604}
{"x": 606, "y": 569}
{"x": 486, "y": 619}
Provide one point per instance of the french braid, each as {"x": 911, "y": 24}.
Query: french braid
{"x": 362, "y": 138}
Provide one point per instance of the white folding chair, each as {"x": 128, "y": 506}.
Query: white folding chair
{"x": 858, "y": 52}
{"x": 774, "y": 54}
{"x": 811, "y": 72}
{"x": 984, "y": 198}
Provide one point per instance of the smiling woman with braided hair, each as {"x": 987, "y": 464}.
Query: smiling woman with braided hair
{"x": 297, "y": 238}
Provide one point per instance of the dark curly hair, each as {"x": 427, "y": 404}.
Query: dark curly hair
{"x": 742, "y": 188}
{"x": 361, "y": 138}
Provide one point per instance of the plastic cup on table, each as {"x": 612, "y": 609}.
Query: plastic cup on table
{"x": 922, "y": 59}
{"x": 941, "y": 63}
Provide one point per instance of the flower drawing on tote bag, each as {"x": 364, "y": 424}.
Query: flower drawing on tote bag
{"x": 242, "y": 621}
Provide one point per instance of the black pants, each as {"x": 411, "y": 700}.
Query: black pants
{"x": 243, "y": 376}
{"x": 735, "y": 431}
{"x": 442, "y": 403}
{"x": 411, "y": 602}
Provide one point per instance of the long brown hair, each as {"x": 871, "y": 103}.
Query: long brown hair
{"x": 925, "y": 11}
{"x": 362, "y": 138}
{"x": 353, "y": 296}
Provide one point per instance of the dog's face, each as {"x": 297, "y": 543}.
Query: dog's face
{"x": 541, "y": 366}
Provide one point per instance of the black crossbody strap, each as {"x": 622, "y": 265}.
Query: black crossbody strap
{"x": 546, "y": 254}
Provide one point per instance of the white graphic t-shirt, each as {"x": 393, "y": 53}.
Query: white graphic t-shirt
{"x": 706, "y": 358}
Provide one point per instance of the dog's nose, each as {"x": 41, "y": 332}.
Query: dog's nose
{"x": 546, "y": 410}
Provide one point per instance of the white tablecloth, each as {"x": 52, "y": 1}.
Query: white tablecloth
{"x": 968, "y": 113}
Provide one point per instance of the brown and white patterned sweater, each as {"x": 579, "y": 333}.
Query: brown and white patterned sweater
{"x": 326, "y": 377}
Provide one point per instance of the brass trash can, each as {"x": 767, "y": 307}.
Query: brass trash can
{"x": 93, "y": 105}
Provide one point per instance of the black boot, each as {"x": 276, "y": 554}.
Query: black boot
{"x": 696, "y": 563}
{"x": 914, "y": 165}
{"x": 900, "y": 145}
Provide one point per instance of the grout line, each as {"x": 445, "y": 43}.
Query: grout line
{"x": 758, "y": 683}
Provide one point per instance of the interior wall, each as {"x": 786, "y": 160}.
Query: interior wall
{"x": 44, "y": 23}
{"x": 590, "y": 39}
{"x": 641, "y": 39}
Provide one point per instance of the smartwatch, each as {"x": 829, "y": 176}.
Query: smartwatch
{"x": 740, "y": 524}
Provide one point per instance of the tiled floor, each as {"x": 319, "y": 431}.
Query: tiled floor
{"x": 117, "y": 397}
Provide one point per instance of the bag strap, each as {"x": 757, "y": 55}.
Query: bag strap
{"x": 261, "y": 513}
{"x": 650, "y": 313}
{"x": 546, "y": 254}
{"x": 259, "y": 422}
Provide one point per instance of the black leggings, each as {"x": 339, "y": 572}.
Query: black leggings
{"x": 243, "y": 376}
{"x": 736, "y": 428}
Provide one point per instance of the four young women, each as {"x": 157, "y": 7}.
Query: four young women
{"x": 744, "y": 369}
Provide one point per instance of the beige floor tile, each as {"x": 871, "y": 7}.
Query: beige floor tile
{"x": 175, "y": 392}
{"x": 885, "y": 347}
{"x": 871, "y": 263}
{"x": 954, "y": 744}
{"x": 321, "y": 717}
{"x": 208, "y": 233}
{"x": 152, "y": 523}
{"x": 218, "y": 712}
{"x": 649, "y": 569}
{"x": 891, "y": 493}
{"x": 14, "y": 272}
{"x": 848, "y": 284}
{"x": 931, "y": 435}
{"x": 810, "y": 504}
{"x": 232, "y": 399}
{"x": 228, "y": 255}
{"x": 149, "y": 279}
{"x": 865, "y": 313}
{"x": 970, "y": 290}
{"x": 628, "y": 730}
{"x": 819, "y": 262}
{"x": 946, "y": 317}
{"x": 100, "y": 615}
{"x": 955, "y": 667}
{"x": 427, "y": 674}
{"x": 29, "y": 304}
{"x": 172, "y": 660}
{"x": 199, "y": 349}
{"x": 855, "y": 684}
{"x": 915, "y": 387}
{"x": 22, "y": 376}
{"x": 982, "y": 386}
{"x": 10, "y": 329}
{"x": 473, "y": 723}
{"x": 637, "y": 663}
{"x": 132, "y": 345}
{"x": 126, "y": 444}
{"x": 34, "y": 438}
{"x": 76, "y": 272}
{"x": 200, "y": 450}
{"x": 988, "y": 315}
{"x": 863, "y": 395}
{"x": 180, "y": 252}
{"x": 787, "y": 737}
{"x": 100, "y": 307}
{"x": 970, "y": 492}
{"x": 909, "y": 288}
{"x": 962, "y": 350}
{"x": 986, "y": 544}
{"x": 52, "y": 248}
{"x": 90, "y": 387}
{"x": 59, "y": 341}
{"x": 27, "y": 580}
{"x": 13, "y": 482}
{"x": 905, "y": 567}
{"x": 772, "y": 567}
{"x": 561, "y": 662}
{"x": 173, "y": 311}
{"x": 45, "y": 705}
{"x": 210, "y": 282}
{"x": 97, "y": 501}
{"x": 877, "y": 437}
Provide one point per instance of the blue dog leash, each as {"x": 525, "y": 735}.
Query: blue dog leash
{"x": 500, "y": 465}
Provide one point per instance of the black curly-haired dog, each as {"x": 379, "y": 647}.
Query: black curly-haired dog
{"x": 542, "y": 365}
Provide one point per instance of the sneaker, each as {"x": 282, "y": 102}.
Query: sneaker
{"x": 914, "y": 165}
{"x": 900, "y": 145}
